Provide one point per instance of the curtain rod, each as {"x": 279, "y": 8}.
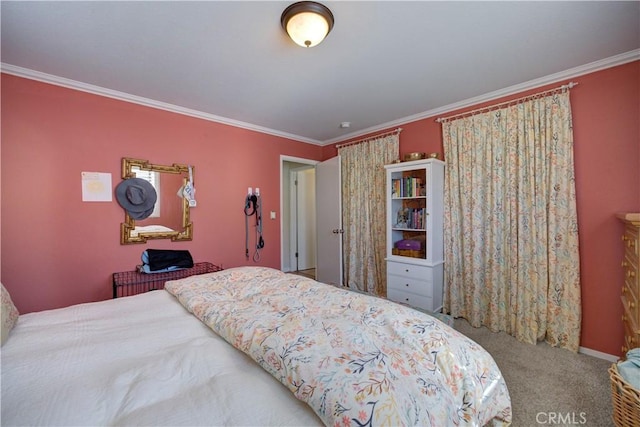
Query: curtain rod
{"x": 398, "y": 130}
{"x": 569, "y": 85}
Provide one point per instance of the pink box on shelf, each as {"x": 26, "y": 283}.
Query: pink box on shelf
{"x": 414, "y": 245}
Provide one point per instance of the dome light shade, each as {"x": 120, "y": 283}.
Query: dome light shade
{"x": 307, "y": 22}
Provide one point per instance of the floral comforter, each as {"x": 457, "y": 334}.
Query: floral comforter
{"x": 355, "y": 359}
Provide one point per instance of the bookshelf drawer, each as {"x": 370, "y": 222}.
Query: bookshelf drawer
{"x": 418, "y": 272}
{"x": 414, "y": 300}
{"x": 409, "y": 284}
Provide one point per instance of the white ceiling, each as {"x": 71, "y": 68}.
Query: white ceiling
{"x": 384, "y": 62}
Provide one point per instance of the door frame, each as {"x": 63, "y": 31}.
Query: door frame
{"x": 284, "y": 159}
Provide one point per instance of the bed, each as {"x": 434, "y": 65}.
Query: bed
{"x": 246, "y": 346}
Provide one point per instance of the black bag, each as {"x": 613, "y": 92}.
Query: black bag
{"x": 160, "y": 259}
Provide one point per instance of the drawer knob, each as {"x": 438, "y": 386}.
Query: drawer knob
{"x": 406, "y": 270}
{"x": 406, "y": 299}
{"x": 406, "y": 284}
{"x": 631, "y": 273}
{"x": 624, "y": 263}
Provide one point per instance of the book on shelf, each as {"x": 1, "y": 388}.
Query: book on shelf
{"x": 410, "y": 218}
{"x": 407, "y": 187}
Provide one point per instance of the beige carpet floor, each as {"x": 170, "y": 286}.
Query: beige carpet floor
{"x": 548, "y": 386}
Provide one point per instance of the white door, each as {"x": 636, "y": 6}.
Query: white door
{"x": 329, "y": 222}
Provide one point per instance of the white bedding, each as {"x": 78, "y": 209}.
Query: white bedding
{"x": 140, "y": 360}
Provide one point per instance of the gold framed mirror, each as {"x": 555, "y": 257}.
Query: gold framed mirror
{"x": 170, "y": 217}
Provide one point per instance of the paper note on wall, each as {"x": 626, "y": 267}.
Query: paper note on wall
{"x": 96, "y": 187}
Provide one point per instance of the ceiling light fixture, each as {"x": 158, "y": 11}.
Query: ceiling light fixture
{"x": 307, "y": 22}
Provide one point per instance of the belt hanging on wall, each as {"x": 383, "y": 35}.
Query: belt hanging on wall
{"x": 253, "y": 206}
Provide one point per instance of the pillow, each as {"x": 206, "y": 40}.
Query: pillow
{"x": 9, "y": 314}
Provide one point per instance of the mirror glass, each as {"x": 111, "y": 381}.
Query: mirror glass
{"x": 170, "y": 217}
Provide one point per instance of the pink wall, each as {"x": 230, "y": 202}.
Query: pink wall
{"x": 55, "y": 133}
{"x": 58, "y": 250}
{"x": 606, "y": 119}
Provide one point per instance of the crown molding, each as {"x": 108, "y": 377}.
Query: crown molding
{"x": 122, "y": 96}
{"x": 591, "y": 67}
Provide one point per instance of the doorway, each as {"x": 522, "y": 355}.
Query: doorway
{"x": 297, "y": 215}
{"x": 302, "y": 226}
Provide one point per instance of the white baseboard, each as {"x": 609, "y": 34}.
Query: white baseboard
{"x": 598, "y": 354}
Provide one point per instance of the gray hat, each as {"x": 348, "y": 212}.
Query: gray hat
{"x": 137, "y": 197}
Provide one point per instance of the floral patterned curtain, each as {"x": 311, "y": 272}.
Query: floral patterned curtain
{"x": 363, "y": 211}
{"x": 511, "y": 233}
